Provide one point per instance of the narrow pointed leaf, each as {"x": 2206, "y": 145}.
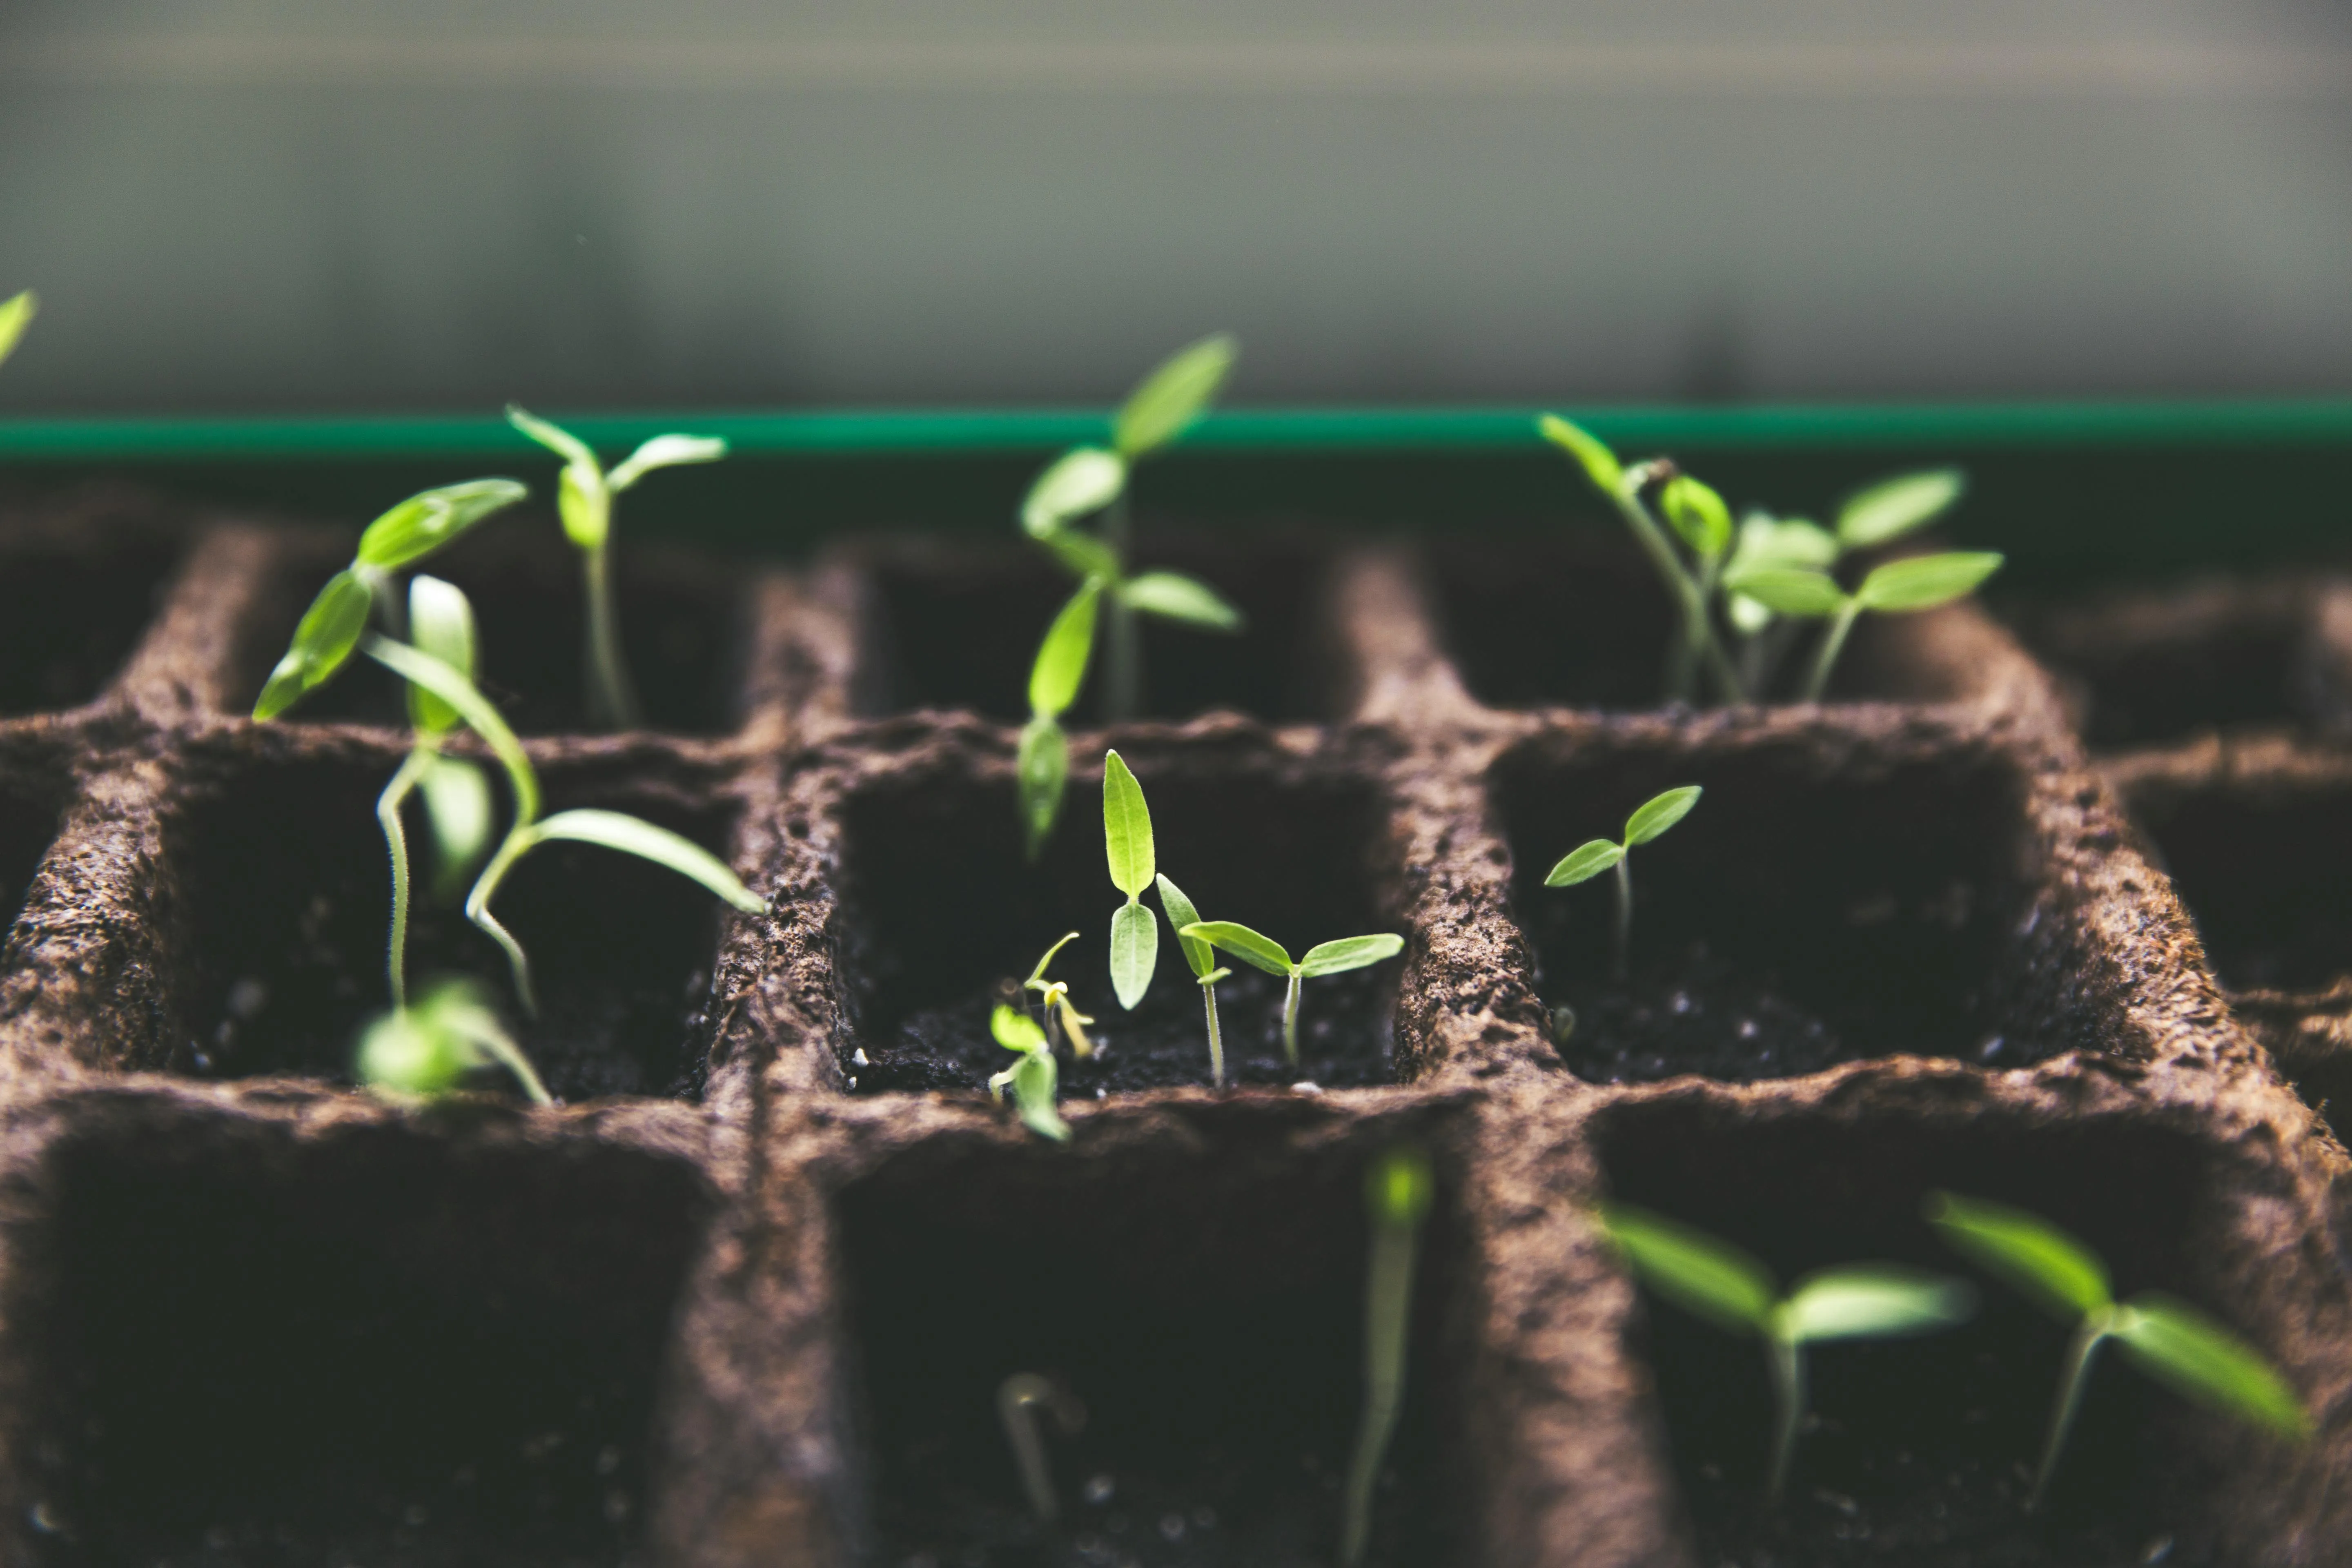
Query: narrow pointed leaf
{"x": 431, "y": 519}
{"x": 1134, "y": 951}
{"x": 1874, "y": 1301}
{"x": 665, "y": 452}
{"x": 16, "y": 314}
{"x": 1584, "y": 862}
{"x": 1788, "y": 591}
{"x": 1348, "y": 952}
{"x": 1015, "y": 1030}
{"x": 1698, "y": 514}
{"x": 2024, "y": 1251}
{"x": 1231, "y": 936}
{"x": 480, "y": 716}
{"x": 1660, "y": 811}
{"x": 1082, "y": 480}
{"x": 441, "y": 623}
{"x": 1712, "y": 1278}
{"x": 1601, "y": 464}
{"x": 1174, "y": 597}
{"x": 457, "y": 795}
{"x": 1061, "y": 667}
{"x": 1173, "y": 395}
{"x": 552, "y": 437}
{"x": 2179, "y": 1345}
{"x": 635, "y": 835}
{"x": 323, "y": 641}
{"x": 1892, "y": 508}
{"x": 1036, "y": 981}
{"x": 1924, "y": 582}
{"x": 1043, "y": 770}
{"x": 1127, "y": 830}
{"x": 1181, "y": 913}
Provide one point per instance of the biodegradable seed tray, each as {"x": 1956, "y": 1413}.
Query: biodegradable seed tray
{"x": 745, "y": 1299}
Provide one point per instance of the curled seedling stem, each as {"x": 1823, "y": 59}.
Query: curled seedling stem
{"x": 1053, "y": 1002}
{"x": 1589, "y": 860}
{"x": 1202, "y": 959}
{"x": 1324, "y": 958}
{"x": 1032, "y": 1077}
{"x": 1018, "y": 1400}
{"x": 2168, "y": 1338}
{"x": 1398, "y": 1190}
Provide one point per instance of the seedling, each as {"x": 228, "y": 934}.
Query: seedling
{"x": 15, "y": 315}
{"x": 1044, "y": 764}
{"x": 1718, "y": 1282}
{"x": 422, "y": 1051}
{"x": 1398, "y": 1190}
{"x": 1033, "y": 1078}
{"x": 1589, "y": 860}
{"x": 1324, "y": 958}
{"x": 1205, "y": 968}
{"x": 1018, "y": 1400}
{"x": 2171, "y": 1341}
{"x": 1899, "y": 587}
{"x": 1127, "y": 843}
{"x": 584, "y": 499}
{"x": 1054, "y": 1001}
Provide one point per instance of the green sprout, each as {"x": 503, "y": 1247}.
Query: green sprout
{"x": 2170, "y": 1340}
{"x": 1033, "y": 1078}
{"x": 1398, "y": 1190}
{"x": 1043, "y": 763}
{"x": 422, "y": 1050}
{"x": 1054, "y": 1001}
{"x": 1127, "y": 843}
{"x": 1718, "y": 1282}
{"x": 1203, "y": 958}
{"x": 1018, "y": 1399}
{"x": 584, "y": 501}
{"x": 15, "y": 315}
{"x": 1900, "y": 587}
{"x": 1324, "y": 958}
{"x": 1589, "y": 860}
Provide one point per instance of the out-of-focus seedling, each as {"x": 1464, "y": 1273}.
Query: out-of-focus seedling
{"x": 1044, "y": 764}
{"x": 1900, "y": 587}
{"x": 1018, "y": 1400}
{"x": 2170, "y": 1340}
{"x": 16, "y": 314}
{"x": 584, "y": 499}
{"x": 1203, "y": 958}
{"x": 1127, "y": 843}
{"x": 426, "y": 1049}
{"x": 1324, "y": 958}
{"x": 1054, "y": 1002}
{"x": 1720, "y": 1282}
{"x": 1589, "y": 860}
{"x": 1033, "y": 1078}
{"x": 1398, "y": 1191}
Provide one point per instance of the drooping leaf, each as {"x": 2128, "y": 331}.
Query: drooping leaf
{"x": 1134, "y": 952}
{"x": 635, "y": 835}
{"x": 1399, "y": 1187}
{"x": 665, "y": 452}
{"x": 431, "y": 519}
{"x": 1035, "y": 1077}
{"x": 1789, "y": 591}
{"x": 1199, "y": 955}
{"x": 2025, "y": 1251}
{"x": 441, "y": 623}
{"x": 1924, "y": 582}
{"x": 1082, "y": 554}
{"x": 16, "y": 314}
{"x": 2198, "y": 1358}
{"x": 1061, "y": 667}
{"x": 1601, "y": 464}
{"x": 480, "y": 716}
{"x": 1698, "y": 514}
{"x": 1127, "y": 830}
{"x": 552, "y": 437}
{"x": 1892, "y": 507}
{"x": 1173, "y": 395}
{"x": 1259, "y": 952}
{"x": 323, "y": 640}
{"x": 584, "y": 505}
{"x": 1042, "y": 769}
{"x": 1874, "y": 1301}
{"x": 1015, "y": 1030}
{"x": 1175, "y": 598}
{"x": 457, "y": 795}
{"x": 1660, "y": 811}
{"x": 1584, "y": 862}
{"x": 1712, "y": 1278}
{"x": 1348, "y": 952}
{"x": 1081, "y": 480}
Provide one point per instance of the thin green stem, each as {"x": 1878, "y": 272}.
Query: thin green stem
{"x": 612, "y": 701}
{"x": 1216, "y": 1036}
{"x": 2072, "y": 1381}
{"x": 1388, "y": 1314}
{"x": 1698, "y": 643}
{"x": 1625, "y": 949}
{"x": 1787, "y": 1359}
{"x": 1290, "y": 1019}
{"x": 387, "y": 813}
{"x": 1123, "y": 671}
{"x": 518, "y": 842}
{"x": 1017, "y": 1400}
{"x": 1832, "y": 641}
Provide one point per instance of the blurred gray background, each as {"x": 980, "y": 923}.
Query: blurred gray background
{"x": 261, "y": 204}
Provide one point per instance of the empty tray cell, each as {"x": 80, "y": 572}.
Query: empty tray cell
{"x": 71, "y": 610}
{"x": 1203, "y": 1301}
{"x": 282, "y": 904}
{"x": 959, "y": 628}
{"x": 257, "y": 1348}
{"x": 1830, "y": 899}
{"x": 941, "y": 917}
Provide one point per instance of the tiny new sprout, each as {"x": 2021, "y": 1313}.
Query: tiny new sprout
{"x": 1034, "y": 1079}
{"x": 1203, "y": 958}
{"x": 1324, "y": 958}
{"x": 1589, "y": 860}
{"x": 1397, "y": 1193}
{"x": 584, "y": 500}
{"x": 419, "y": 1051}
{"x": 1899, "y": 587}
{"x": 1054, "y": 1001}
{"x": 15, "y": 315}
{"x": 2171, "y": 1341}
{"x": 1018, "y": 1399}
{"x": 1044, "y": 764}
{"x": 1717, "y": 1282}
{"x": 1127, "y": 843}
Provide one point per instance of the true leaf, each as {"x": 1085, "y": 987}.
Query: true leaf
{"x": 1348, "y": 952}
{"x": 1180, "y": 598}
{"x": 457, "y": 796}
{"x": 1173, "y": 395}
{"x": 424, "y": 669}
{"x": 635, "y": 835}
{"x": 1584, "y": 862}
{"x": 1716, "y": 1281}
{"x": 1127, "y": 830}
{"x": 1043, "y": 767}
{"x": 1660, "y": 811}
{"x": 15, "y": 315}
{"x": 1599, "y": 463}
{"x": 1698, "y": 514}
{"x": 2024, "y": 1251}
{"x": 1015, "y": 1030}
{"x": 1134, "y": 951}
{"x": 1789, "y": 591}
{"x": 323, "y": 640}
{"x": 1892, "y": 508}
{"x": 665, "y": 452}
{"x": 431, "y": 519}
{"x": 1874, "y": 1301}
{"x": 2200, "y": 1358}
{"x": 1083, "y": 479}
{"x": 1181, "y": 913}
{"x": 441, "y": 623}
{"x": 1061, "y": 667}
{"x": 1923, "y": 582}
{"x": 1261, "y": 952}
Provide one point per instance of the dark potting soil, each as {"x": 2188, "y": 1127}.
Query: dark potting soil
{"x": 2263, "y": 879}
{"x": 288, "y": 889}
{"x": 67, "y": 622}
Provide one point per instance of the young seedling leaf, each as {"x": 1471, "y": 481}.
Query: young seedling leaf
{"x": 424, "y": 669}
{"x": 1199, "y": 955}
{"x": 1584, "y": 862}
{"x": 401, "y": 1055}
{"x": 665, "y": 452}
{"x": 1035, "y": 1079}
{"x": 1892, "y": 507}
{"x": 457, "y": 805}
{"x": 431, "y": 519}
{"x": 1698, "y": 514}
{"x": 1036, "y": 981}
{"x": 1924, "y": 582}
{"x": 1082, "y": 554}
{"x": 322, "y": 642}
{"x": 1175, "y": 598}
{"x": 554, "y": 438}
{"x": 1711, "y": 1278}
{"x": 1127, "y": 830}
{"x": 1601, "y": 464}
{"x": 1781, "y": 542}
{"x": 1015, "y": 1030}
{"x": 1082, "y": 480}
{"x": 1061, "y": 667}
{"x": 1043, "y": 767}
{"x": 633, "y": 836}
{"x": 1348, "y": 952}
{"x": 1660, "y": 811}
{"x": 1172, "y": 396}
{"x": 2025, "y": 1251}
{"x": 1876, "y": 1300}
{"x": 1134, "y": 952}
{"x": 2179, "y": 1345}
{"x": 16, "y": 314}
{"x": 1788, "y": 591}
{"x": 441, "y": 623}
{"x": 1259, "y": 952}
